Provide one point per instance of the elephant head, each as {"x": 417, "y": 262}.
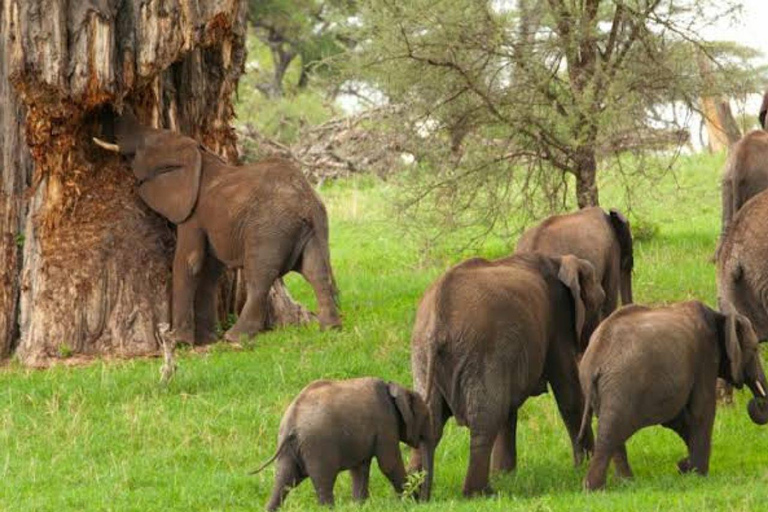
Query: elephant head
{"x": 588, "y": 296}
{"x": 415, "y": 430}
{"x": 168, "y": 166}
{"x": 743, "y": 364}
{"x": 763, "y": 110}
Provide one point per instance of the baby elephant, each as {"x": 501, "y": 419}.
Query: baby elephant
{"x": 337, "y": 425}
{"x": 647, "y": 366}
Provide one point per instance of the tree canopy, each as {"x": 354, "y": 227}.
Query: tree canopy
{"x": 507, "y": 98}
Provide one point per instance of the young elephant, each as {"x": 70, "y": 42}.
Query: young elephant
{"x": 333, "y": 426}
{"x": 603, "y": 239}
{"x": 488, "y": 335}
{"x": 264, "y": 218}
{"x": 647, "y": 366}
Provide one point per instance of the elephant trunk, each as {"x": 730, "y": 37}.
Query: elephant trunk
{"x": 758, "y": 405}
{"x": 427, "y": 451}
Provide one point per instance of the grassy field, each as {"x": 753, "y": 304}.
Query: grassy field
{"x": 108, "y": 437}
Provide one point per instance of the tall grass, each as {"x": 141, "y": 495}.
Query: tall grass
{"x": 108, "y": 437}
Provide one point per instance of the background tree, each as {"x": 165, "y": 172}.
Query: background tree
{"x": 541, "y": 93}
{"x": 86, "y": 265}
{"x": 310, "y": 30}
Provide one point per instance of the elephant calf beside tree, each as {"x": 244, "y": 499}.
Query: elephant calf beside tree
{"x": 603, "y": 239}
{"x": 264, "y": 218}
{"x": 338, "y": 425}
{"x": 648, "y": 366}
{"x": 488, "y": 335}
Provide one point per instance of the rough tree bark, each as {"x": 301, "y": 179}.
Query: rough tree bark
{"x": 86, "y": 264}
{"x": 722, "y": 129}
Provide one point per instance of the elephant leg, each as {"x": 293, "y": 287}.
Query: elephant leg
{"x": 260, "y": 272}
{"x": 612, "y": 434}
{"x": 700, "y": 447}
{"x": 621, "y": 462}
{"x": 324, "y": 483}
{"x": 563, "y": 375}
{"x": 391, "y": 464}
{"x": 680, "y": 426}
{"x": 480, "y": 446}
{"x": 315, "y": 267}
{"x": 360, "y": 476}
{"x": 288, "y": 476}
{"x": 504, "y": 455}
{"x": 206, "y": 315}
{"x": 188, "y": 263}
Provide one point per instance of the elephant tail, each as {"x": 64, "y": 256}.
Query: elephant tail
{"x": 280, "y": 448}
{"x": 620, "y": 225}
{"x": 589, "y": 399}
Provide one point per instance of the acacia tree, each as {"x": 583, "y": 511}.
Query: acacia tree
{"x": 311, "y": 30}
{"x": 540, "y": 89}
{"x": 86, "y": 265}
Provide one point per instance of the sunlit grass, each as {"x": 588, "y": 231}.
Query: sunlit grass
{"x": 108, "y": 437}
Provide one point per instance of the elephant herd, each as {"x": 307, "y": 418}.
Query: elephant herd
{"x": 487, "y": 334}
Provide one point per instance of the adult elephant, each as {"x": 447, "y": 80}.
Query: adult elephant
{"x": 742, "y": 265}
{"x": 488, "y": 334}
{"x": 603, "y": 239}
{"x": 264, "y": 218}
{"x": 746, "y": 172}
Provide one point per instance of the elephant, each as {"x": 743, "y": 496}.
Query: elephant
{"x": 647, "y": 366}
{"x": 603, "y": 239}
{"x": 489, "y": 334}
{"x": 742, "y": 267}
{"x": 335, "y": 425}
{"x": 264, "y": 218}
{"x": 745, "y": 175}
{"x": 763, "y": 110}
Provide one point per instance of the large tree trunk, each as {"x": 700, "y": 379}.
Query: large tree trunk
{"x": 87, "y": 265}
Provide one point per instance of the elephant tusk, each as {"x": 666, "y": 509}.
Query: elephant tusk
{"x": 106, "y": 145}
{"x": 760, "y": 388}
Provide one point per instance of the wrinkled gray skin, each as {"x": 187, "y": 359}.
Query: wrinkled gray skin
{"x": 488, "y": 335}
{"x": 745, "y": 175}
{"x": 648, "y": 366}
{"x": 333, "y": 426}
{"x": 603, "y": 239}
{"x": 742, "y": 265}
{"x": 264, "y": 218}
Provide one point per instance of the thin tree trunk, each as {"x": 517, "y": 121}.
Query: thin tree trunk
{"x": 87, "y": 264}
{"x": 586, "y": 177}
{"x": 722, "y": 129}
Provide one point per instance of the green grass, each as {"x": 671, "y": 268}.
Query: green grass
{"x": 108, "y": 437}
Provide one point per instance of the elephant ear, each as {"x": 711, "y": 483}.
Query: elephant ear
{"x": 402, "y": 401}
{"x": 169, "y": 167}
{"x": 734, "y": 329}
{"x": 569, "y": 276}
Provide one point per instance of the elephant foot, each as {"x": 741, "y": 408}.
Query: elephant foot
{"x": 329, "y": 322}
{"x": 594, "y": 484}
{"x": 485, "y": 492}
{"x": 206, "y": 337}
{"x": 684, "y": 466}
{"x": 235, "y": 334}
{"x": 183, "y": 336}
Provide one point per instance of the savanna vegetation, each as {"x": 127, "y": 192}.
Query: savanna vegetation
{"x": 467, "y": 162}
